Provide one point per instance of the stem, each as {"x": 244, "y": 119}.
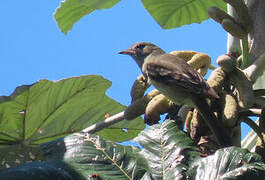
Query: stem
{"x": 212, "y": 67}
{"x": 137, "y": 108}
{"x": 233, "y": 43}
{"x": 106, "y": 123}
{"x": 244, "y": 43}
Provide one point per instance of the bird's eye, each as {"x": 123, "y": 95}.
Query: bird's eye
{"x": 140, "y": 46}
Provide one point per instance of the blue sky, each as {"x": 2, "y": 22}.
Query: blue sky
{"x": 32, "y": 47}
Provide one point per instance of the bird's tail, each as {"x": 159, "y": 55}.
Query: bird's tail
{"x": 212, "y": 122}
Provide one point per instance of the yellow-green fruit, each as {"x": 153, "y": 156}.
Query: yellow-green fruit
{"x": 157, "y": 106}
{"x": 188, "y": 121}
{"x": 196, "y": 119}
{"x": 243, "y": 87}
{"x": 185, "y": 55}
{"x": 230, "y": 111}
{"x": 200, "y": 60}
{"x": 217, "y": 79}
{"x": 197, "y": 125}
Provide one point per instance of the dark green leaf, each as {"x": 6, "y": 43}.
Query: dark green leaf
{"x": 17, "y": 154}
{"x": 90, "y": 154}
{"x": 231, "y": 163}
{"x": 168, "y": 150}
{"x": 70, "y": 11}
{"x": 174, "y": 13}
{"x": 41, "y": 171}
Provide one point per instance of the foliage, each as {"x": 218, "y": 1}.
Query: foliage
{"x": 170, "y": 14}
{"x": 47, "y": 110}
{"x": 167, "y": 153}
{"x": 71, "y": 11}
{"x": 35, "y": 116}
{"x": 167, "y": 13}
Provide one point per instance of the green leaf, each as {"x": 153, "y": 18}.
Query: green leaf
{"x": 90, "y": 155}
{"x": 168, "y": 150}
{"x": 17, "y": 154}
{"x": 230, "y": 163}
{"x": 71, "y": 11}
{"x": 48, "y": 110}
{"x": 41, "y": 171}
{"x": 175, "y": 13}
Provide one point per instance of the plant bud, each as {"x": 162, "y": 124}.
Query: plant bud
{"x": 139, "y": 87}
{"x": 227, "y": 63}
{"x": 218, "y": 15}
{"x": 234, "y": 29}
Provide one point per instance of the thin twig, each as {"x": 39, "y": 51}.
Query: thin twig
{"x": 245, "y": 50}
{"x": 133, "y": 111}
{"x": 106, "y": 123}
{"x": 212, "y": 67}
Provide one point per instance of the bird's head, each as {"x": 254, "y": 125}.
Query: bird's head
{"x": 139, "y": 51}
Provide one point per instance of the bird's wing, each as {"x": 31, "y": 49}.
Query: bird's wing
{"x": 177, "y": 73}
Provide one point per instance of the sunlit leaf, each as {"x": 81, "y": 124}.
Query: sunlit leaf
{"x": 48, "y": 110}
{"x": 71, "y": 11}
{"x": 168, "y": 150}
{"x": 175, "y": 13}
{"x": 231, "y": 163}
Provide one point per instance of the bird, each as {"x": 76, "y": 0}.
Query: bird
{"x": 179, "y": 82}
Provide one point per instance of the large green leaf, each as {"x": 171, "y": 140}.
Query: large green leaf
{"x": 230, "y": 163}
{"x": 52, "y": 170}
{"x": 174, "y": 13}
{"x": 91, "y": 155}
{"x": 168, "y": 150}
{"x": 168, "y": 154}
{"x": 70, "y": 11}
{"x": 48, "y": 110}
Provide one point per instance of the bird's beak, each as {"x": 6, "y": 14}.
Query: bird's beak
{"x": 127, "y": 51}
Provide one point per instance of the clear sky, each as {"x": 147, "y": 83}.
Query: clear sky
{"x": 32, "y": 47}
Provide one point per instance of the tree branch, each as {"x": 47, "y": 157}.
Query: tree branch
{"x": 106, "y": 123}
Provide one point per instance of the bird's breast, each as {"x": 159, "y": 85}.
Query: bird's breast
{"x": 175, "y": 94}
